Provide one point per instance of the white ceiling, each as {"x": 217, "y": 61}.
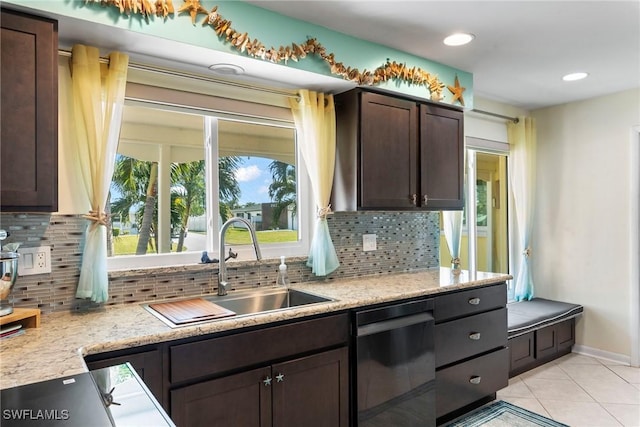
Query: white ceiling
{"x": 521, "y": 49}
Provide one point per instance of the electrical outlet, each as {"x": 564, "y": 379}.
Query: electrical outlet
{"x": 34, "y": 260}
{"x": 369, "y": 242}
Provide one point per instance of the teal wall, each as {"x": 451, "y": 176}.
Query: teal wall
{"x": 271, "y": 29}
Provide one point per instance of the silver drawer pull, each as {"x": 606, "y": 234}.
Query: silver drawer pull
{"x": 474, "y": 336}
{"x": 475, "y": 380}
{"x": 474, "y": 301}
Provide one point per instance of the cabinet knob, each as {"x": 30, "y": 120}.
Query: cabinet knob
{"x": 425, "y": 200}
{"x": 474, "y": 301}
{"x": 414, "y": 199}
{"x": 475, "y": 379}
{"x": 267, "y": 381}
{"x": 280, "y": 377}
{"x": 474, "y": 336}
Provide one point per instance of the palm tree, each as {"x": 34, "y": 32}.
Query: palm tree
{"x": 229, "y": 192}
{"x": 150, "y": 207}
{"x": 283, "y": 188}
{"x": 136, "y": 183}
{"x": 189, "y": 188}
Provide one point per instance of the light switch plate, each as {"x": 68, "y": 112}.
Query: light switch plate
{"x": 369, "y": 242}
{"x": 34, "y": 260}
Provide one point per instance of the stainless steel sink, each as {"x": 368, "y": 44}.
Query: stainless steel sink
{"x": 263, "y": 300}
{"x": 254, "y": 301}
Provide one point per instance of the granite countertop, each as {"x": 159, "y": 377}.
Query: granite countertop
{"x": 57, "y": 348}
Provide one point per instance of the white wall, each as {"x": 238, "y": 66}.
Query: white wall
{"x": 582, "y": 222}
{"x": 487, "y": 127}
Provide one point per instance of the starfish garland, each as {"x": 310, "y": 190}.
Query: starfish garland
{"x": 457, "y": 92}
{"x": 390, "y": 70}
{"x": 194, "y": 7}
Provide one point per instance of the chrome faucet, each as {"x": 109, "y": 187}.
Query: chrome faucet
{"x": 222, "y": 268}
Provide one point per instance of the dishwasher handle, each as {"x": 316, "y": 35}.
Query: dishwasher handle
{"x": 388, "y": 325}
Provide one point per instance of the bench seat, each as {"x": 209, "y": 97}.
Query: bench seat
{"x": 527, "y": 316}
{"x": 539, "y": 331}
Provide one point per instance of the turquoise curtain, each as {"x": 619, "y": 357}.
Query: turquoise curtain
{"x": 315, "y": 119}
{"x": 522, "y": 142}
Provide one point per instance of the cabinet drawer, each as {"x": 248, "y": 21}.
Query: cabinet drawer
{"x": 463, "y": 384}
{"x": 470, "y": 302}
{"x": 217, "y": 355}
{"x": 463, "y": 338}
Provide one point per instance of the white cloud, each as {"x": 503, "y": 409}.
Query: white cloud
{"x": 263, "y": 190}
{"x": 248, "y": 173}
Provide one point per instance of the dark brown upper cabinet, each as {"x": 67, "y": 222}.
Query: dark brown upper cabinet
{"x": 397, "y": 153}
{"x": 29, "y": 113}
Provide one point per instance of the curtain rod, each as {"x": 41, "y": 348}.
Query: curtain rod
{"x": 488, "y": 113}
{"x": 166, "y": 71}
{"x": 175, "y": 73}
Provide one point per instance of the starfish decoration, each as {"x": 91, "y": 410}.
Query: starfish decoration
{"x": 457, "y": 92}
{"x": 194, "y": 7}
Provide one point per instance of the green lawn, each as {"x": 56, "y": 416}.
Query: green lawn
{"x": 126, "y": 245}
{"x": 240, "y": 236}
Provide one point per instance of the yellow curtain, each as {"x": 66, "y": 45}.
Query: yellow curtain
{"x": 522, "y": 142}
{"x": 98, "y": 101}
{"x": 315, "y": 118}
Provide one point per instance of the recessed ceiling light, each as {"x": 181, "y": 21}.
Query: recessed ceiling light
{"x": 227, "y": 69}
{"x": 458, "y": 39}
{"x": 574, "y": 76}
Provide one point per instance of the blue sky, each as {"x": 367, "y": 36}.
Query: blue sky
{"x": 254, "y": 178}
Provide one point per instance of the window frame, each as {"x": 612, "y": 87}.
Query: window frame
{"x": 145, "y": 96}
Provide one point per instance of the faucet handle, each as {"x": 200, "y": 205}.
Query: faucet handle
{"x": 232, "y": 254}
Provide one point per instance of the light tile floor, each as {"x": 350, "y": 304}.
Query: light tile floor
{"x": 579, "y": 391}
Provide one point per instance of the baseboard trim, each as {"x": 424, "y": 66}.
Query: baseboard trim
{"x": 602, "y": 354}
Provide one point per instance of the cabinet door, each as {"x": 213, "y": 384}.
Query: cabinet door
{"x": 388, "y": 152}
{"x": 312, "y": 391}
{"x": 29, "y": 110}
{"x": 243, "y": 400}
{"x": 441, "y": 158}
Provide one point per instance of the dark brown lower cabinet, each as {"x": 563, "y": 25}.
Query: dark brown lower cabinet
{"x": 467, "y": 382}
{"x": 308, "y": 391}
{"x": 540, "y": 346}
{"x": 236, "y": 400}
{"x": 472, "y": 359}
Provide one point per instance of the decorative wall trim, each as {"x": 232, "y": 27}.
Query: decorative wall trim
{"x": 244, "y": 44}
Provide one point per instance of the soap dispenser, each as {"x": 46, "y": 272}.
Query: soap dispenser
{"x": 282, "y": 278}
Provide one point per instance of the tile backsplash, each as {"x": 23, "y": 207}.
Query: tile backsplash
{"x": 406, "y": 241}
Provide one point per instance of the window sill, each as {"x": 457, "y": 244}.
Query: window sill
{"x": 194, "y": 268}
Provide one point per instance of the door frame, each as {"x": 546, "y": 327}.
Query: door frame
{"x": 634, "y": 244}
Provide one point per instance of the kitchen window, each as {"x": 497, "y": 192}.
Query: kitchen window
{"x": 181, "y": 171}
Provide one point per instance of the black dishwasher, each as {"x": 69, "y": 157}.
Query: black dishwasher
{"x": 394, "y": 383}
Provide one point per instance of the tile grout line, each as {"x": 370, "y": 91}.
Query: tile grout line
{"x": 627, "y": 382}
{"x": 594, "y": 399}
